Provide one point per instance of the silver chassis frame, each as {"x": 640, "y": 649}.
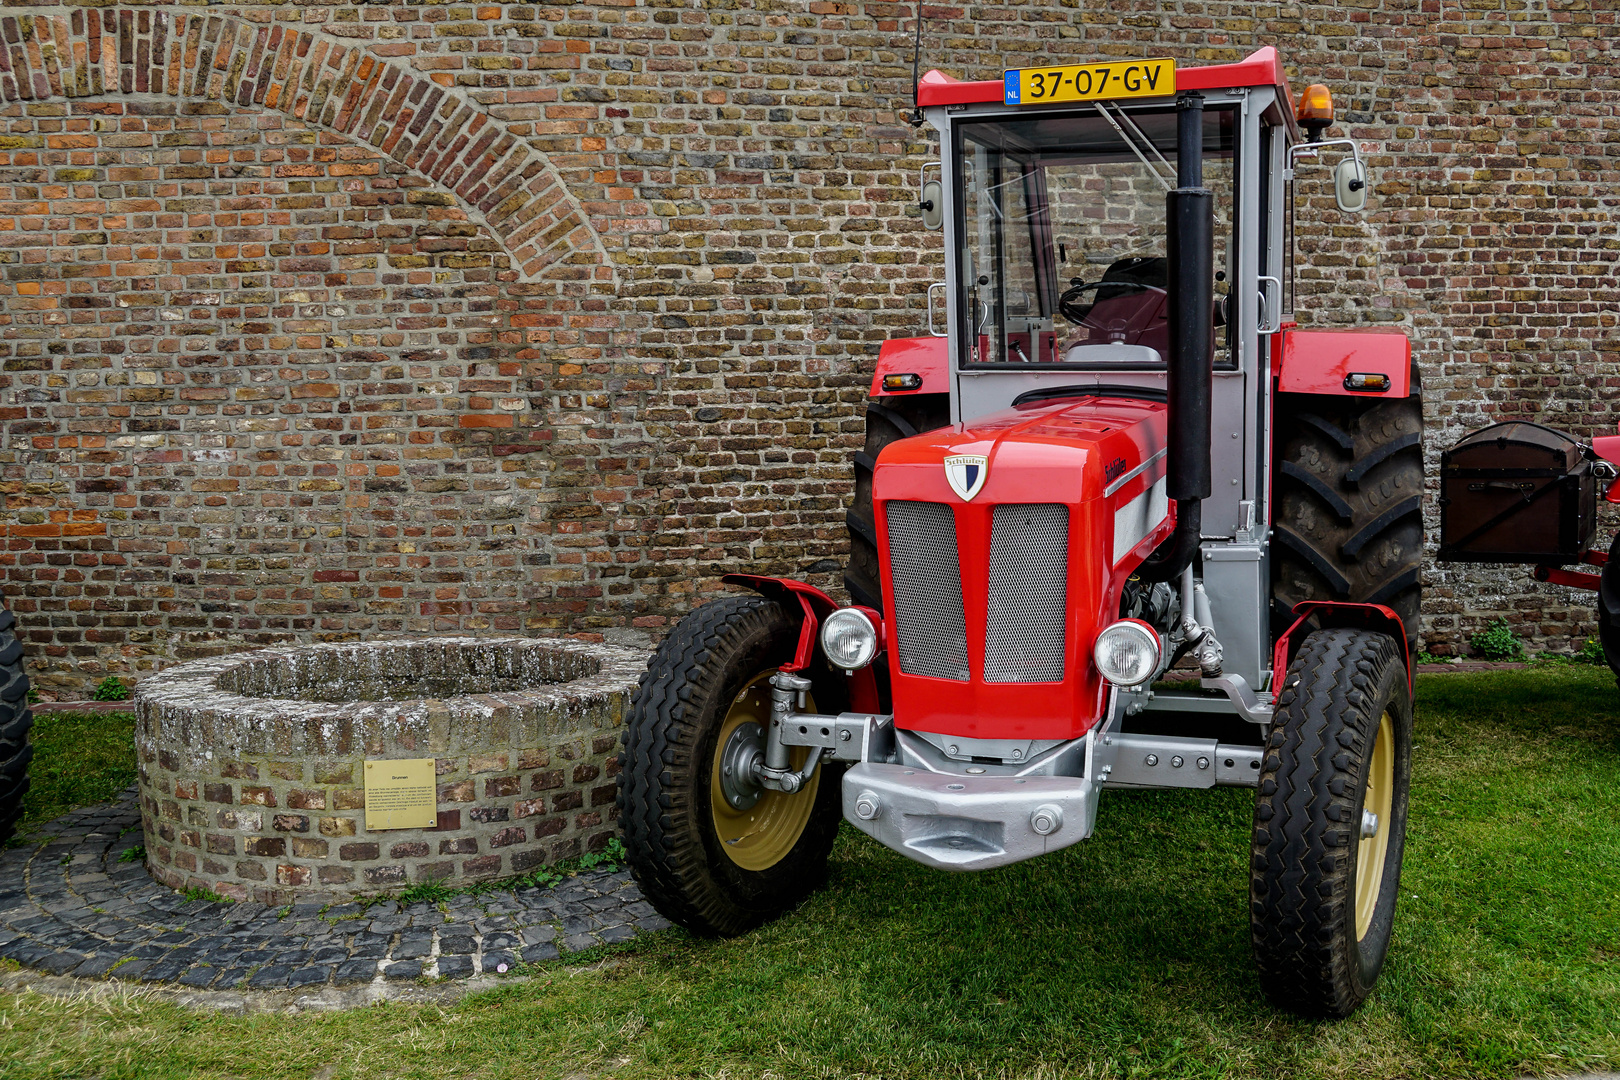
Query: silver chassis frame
{"x": 905, "y": 792}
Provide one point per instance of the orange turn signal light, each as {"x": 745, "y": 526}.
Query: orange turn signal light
{"x": 902, "y": 382}
{"x": 1315, "y": 111}
{"x": 1366, "y": 380}
{"x": 1317, "y": 104}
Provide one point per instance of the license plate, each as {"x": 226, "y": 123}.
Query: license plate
{"x": 1091, "y": 82}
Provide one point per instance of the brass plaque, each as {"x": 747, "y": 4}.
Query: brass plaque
{"x": 400, "y": 794}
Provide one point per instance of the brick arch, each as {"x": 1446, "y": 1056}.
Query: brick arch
{"x": 503, "y": 183}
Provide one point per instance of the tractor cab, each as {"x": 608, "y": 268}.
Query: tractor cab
{"x": 1118, "y": 522}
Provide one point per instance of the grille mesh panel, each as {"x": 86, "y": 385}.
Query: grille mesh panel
{"x": 927, "y": 590}
{"x": 1025, "y": 625}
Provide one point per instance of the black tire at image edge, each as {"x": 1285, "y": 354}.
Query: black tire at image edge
{"x": 15, "y": 721}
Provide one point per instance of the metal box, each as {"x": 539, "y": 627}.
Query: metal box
{"x": 1517, "y": 493}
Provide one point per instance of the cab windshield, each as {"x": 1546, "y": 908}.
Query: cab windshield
{"x": 1062, "y": 260}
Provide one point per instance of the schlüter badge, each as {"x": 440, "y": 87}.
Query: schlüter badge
{"x": 966, "y": 473}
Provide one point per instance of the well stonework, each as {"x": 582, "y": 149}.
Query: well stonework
{"x": 252, "y": 789}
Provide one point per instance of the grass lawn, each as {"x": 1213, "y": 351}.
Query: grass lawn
{"x": 1126, "y": 955}
{"x": 80, "y": 759}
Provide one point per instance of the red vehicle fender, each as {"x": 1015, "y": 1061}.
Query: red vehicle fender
{"x": 1607, "y": 447}
{"x": 1324, "y": 361}
{"x": 925, "y": 357}
{"x": 817, "y": 605}
{"x": 1330, "y": 613}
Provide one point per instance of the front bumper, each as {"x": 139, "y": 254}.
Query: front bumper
{"x": 959, "y": 822}
{"x": 943, "y": 802}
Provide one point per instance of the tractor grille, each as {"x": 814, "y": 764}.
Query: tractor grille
{"x": 1024, "y": 626}
{"x": 927, "y": 590}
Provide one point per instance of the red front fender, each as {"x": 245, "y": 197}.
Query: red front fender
{"x": 817, "y": 605}
{"x": 1337, "y": 613}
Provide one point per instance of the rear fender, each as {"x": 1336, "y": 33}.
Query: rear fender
{"x": 1336, "y": 613}
{"x": 1324, "y": 361}
{"x": 925, "y": 357}
{"x": 817, "y": 605}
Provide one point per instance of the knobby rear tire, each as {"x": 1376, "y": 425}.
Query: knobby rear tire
{"x": 1348, "y": 521}
{"x": 670, "y": 742}
{"x": 1307, "y": 815}
{"x": 15, "y": 721}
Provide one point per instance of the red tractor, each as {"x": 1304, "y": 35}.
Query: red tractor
{"x": 1120, "y": 456}
{"x": 1519, "y": 492}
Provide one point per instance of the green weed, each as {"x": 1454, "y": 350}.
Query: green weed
{"x": 1497, "y": 642}
{"x": 609, "y": 858}
{"x": 426, "y": 892}
{"x": 112, "y": 688}
{"x": 200, "y": 892}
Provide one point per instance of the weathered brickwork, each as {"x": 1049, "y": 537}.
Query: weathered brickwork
{"x": 325, "y": 322}
{"x": 250, "y": 792}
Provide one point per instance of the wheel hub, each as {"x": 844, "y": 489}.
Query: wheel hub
{"x": 739, "y": 760}
{"x": 1369, "y": 824}
{"x": 1372, "y": 847}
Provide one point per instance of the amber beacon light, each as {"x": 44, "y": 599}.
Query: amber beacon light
{"x": 1315, "y": 113}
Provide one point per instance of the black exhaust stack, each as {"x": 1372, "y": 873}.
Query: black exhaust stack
{"x": 1189, "y": 375}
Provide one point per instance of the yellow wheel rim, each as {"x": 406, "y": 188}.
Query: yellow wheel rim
{"x": 1380, "y": 800}
{"x": 760, "y": 836}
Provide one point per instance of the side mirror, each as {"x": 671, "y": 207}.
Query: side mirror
{"x": 933, "y": 205}
{"x": 1350, "y": 185}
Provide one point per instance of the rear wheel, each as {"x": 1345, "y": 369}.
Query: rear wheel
{"x": 710, "y": 849}
{"x": 1349, "y": 496}
{"x": 15, "y": 720}
{"x": 887, "y": 420}
{"x": 1330, "y": 822}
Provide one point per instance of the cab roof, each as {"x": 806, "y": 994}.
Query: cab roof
{"x": 1262, "y": 67}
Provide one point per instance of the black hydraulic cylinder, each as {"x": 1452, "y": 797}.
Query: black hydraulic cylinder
{"x": 1190, "y": 141}
{"x": 1192, "y": 340}
{"x": 1189, "y": 376}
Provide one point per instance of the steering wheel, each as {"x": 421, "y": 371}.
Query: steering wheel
{"x": 1071, "y": 308}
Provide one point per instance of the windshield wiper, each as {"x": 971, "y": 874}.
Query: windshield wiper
{"x": 1157, "y": 175}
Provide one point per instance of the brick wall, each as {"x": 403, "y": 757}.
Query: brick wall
{"x": 321, "y": 322}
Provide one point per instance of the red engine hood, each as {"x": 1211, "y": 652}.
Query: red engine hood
{"x": 1079, "y": 480}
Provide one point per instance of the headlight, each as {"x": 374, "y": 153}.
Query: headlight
{"x": 1127, "y": 653}
{"x": 849, "y": 639}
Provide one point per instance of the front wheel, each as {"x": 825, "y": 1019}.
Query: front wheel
{"x": 711, "y": 850}
{"x": 1330, "y": 822}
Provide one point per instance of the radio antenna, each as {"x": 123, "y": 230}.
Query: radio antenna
{"x": 916, "y": 117}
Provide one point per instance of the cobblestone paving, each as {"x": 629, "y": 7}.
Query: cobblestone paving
{"x": 69, "y": 905}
